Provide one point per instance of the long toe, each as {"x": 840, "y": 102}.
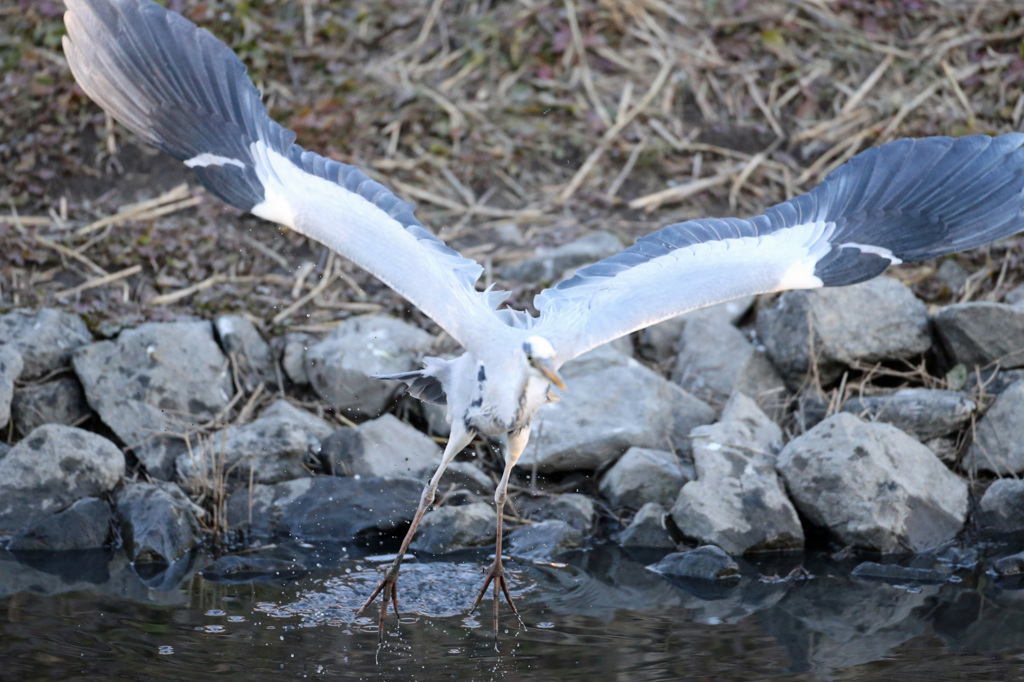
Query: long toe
{"x": 387, "y": 588}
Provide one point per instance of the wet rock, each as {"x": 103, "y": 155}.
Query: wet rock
{"x": 894, "y": 573}
{"x": 61, "y": 401}
{"x": 293, "y": 356}
{"x": 980, "y": 333}
{"x": 660, "y": 342}
{"x": 236, "y": 569}
{"x": 737, "y": 501}
{"x": 552, "y": 263}
{"x": 153, "y": 384}
{"x": 921, "y": 412}
{"x": 159, "y": 524}
{"x": 274, "y": 447}
{"x": 998, "y": 447}
{"x": 10, "y": 369}
{"x": 715, "y": 360}
{"x": 240, "y": 339}
{"x": 452, "y": 528}
{"x": 873, "y": 486}
{"x": 385, "y": 446}
{"x": 324, "y": 508}
{"x": 51, "y": 468}
{"x": 571, "y": 508}
{"x": 880, "y": 319}
{"x": 1009, "y": 565}
{"x": 46, "y": 339}
{"x": 467, "y": 478}
{"x": 643, "y": 476}
{"x": 86, "y": 524}
{"x": 704, "y": 563}
{"x": 607, "y": 411}
{"x": 1001, "y": 509}
{"x": 340, "y": 365}
{"x": 647, "y": 529}
{"x": 544, "y": 540}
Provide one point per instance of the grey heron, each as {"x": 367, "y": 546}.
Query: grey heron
{"x": 182, "y": 90}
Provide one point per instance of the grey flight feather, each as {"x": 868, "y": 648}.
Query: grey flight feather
{"x": 904, "y": 201}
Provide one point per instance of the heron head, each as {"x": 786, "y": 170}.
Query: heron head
{"x": 540, "y": 355}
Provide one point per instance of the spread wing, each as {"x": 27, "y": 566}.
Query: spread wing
{"x": 904, "y": 201}
{"x": 185, "y": 92}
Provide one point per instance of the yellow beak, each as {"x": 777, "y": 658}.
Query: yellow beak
{"x": 548, "y": 370}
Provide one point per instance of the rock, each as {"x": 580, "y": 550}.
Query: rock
{"x": 981, "y": 333}
{"x": 571, "y": 508}
{"x": 235, "y": 569}
{"x": 992, "y": 381}
{"x": 877, "y": 320}
{"x": 1009, "y": 565}
{"x": 921, "y": 412}
{"x": 240, "y": 339}
{"x": 544, "y": 540}
{"x": 452, "y": 528}
{"x": 155, "y": 383}
{"x": 647, "y": 529}
{"x": 467, "y": 477}
{"x": 1001, "y": 509}
{"x": 51, "y": 468}
{"x": 704, "y": 563}
{"x": 85, "y": 524}
{"x": 811, "y": 408}
{"x": 660, "y": 342}
{"x": 946, "y": 449}
{"x": 10, "y": 369}
{"x": 324, "y": 508}
{"x": 385, "y": 446}
{"x": 643, "y": 476}
{"x": 159, "y": 524}
{"x": 873, "y": 486}
{"x": 604, "y": 356}
{"x": 61, "y": 401}
{"x": 716, "y": 359}
{"x": 761, "y": 431}
{"x": 46, "y": 339}
{"x": 340, "y": 365}
{"x": 293, "y": 357}
{"x": 274, "y": 446}
{"x": 893, "y": 573}
{"x": 552, "y": 263}
{"x": 1015, "y": 296}
{"x": 436, "y": 417}
{"x": 952, "y": 275}
{"x": 737, "y": 501}
{"x": 998, "y": 446}
{"x": 607, "y": 411}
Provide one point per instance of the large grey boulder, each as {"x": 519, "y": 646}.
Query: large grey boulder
{"x": 241, "y": 341}
{"x": 998, "y": 446}
{"x": 550, "y": 264}
{"x": 339, "y": 366}
{"x": 1001, "y": 509}
{"x": 544, "y": 540}
{"x": 159, "y": 524}
{"x": 737, "y": 501}
{"x": 385, "y": 446}
{"x": 715, "y": 360}
{"x": 647, "y": 529}
{"x": 293, "y": 356}
{"x": 606, "y": 411}
{"x": 982, "y": 333}
{"x": 921, "y": 412}
{"x": 272, "y": 447}
{"x": 61, "y": 401}
{"x": 452, "y": 528}
{"x": 86, "y": 524}
{"x": 643, "y": 476}
{"x": 873, "y": 486}
{"x": 50, "y": 469}
{"x": 703, "y": 563}
{"x": 154, "y": 384}
{"x": 10, "y": 369}
{"x": 660, "y": 342}
{"x": 46, "y": 339}
{"x": 880, "y": 319}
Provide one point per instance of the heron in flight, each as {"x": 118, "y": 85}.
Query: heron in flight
{"x": 182, "y": 90}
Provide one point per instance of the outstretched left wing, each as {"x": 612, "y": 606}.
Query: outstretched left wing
{"x": 186, "y": 93}
{"x": 904, "y": 201}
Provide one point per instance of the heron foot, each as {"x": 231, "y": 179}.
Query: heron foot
{"x": 496, "y": 576}
{"x": 388, "y": 587}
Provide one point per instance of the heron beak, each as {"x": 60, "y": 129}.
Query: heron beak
{"x": 548, "y": 370}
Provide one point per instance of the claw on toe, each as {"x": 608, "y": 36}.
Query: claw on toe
{"x": 388, "y": 589}
{"x": 496, "y": 576}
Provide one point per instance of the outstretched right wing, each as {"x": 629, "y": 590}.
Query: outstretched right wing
{"x": 185, "y": 92}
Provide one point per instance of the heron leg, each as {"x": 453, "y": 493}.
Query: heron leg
{"x": 388, "y": 587}
{"x": 496, "y": 572}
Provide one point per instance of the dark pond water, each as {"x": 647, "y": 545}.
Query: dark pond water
{"x": 601, "y": 615}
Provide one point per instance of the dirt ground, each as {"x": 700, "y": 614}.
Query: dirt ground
{"x": 510, "y": 125}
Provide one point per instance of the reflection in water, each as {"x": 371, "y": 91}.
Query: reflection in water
{"x": 90, "y": 615}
